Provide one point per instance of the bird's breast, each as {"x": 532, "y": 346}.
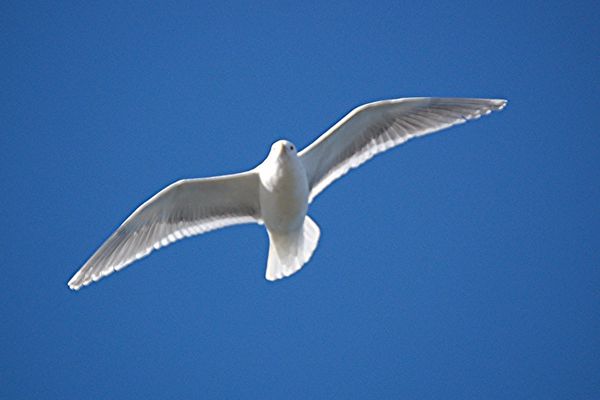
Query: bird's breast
{"x": 284, "y": 196}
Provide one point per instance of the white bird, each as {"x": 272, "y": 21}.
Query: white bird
{"x": 277, "y": 192}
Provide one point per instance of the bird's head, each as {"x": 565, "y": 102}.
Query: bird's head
{"x": 283, "y": 148}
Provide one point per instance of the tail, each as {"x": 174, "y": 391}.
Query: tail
{"x": 289, "y": 252}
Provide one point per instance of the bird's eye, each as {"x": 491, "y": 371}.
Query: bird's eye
{"x": 291, "y": 147}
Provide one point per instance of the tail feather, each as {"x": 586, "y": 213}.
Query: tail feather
{"x": 290, "y": 251}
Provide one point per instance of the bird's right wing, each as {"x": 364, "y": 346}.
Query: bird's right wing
{"x": 375, "y": 127}
{"x": 185, "y": 208}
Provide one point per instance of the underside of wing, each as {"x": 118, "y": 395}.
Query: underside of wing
{"x": 185, "y": 208}
{"x": 376, "y": 127}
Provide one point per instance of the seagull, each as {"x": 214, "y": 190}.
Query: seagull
{"x": 278, "y": 192}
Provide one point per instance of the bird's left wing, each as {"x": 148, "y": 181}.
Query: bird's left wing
{"x": 375, "y": 127}
{"x": 186, "y": 208}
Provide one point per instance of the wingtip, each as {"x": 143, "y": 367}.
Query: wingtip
{"x": 73, "y": 285}
{"x": 75, "y": 282}
{"x": 500, "y": 103}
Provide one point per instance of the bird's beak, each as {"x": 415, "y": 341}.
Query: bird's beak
{"x": 281, "y": 148}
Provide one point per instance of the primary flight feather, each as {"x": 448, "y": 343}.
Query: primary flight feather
{"x": 277, "y": 193}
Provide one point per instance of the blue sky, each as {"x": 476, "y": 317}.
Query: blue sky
{"x": 462, "y": 265}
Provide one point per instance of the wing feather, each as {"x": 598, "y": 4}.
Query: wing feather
{"x": 186, "y": 208}
{"x": 376, "y": 127}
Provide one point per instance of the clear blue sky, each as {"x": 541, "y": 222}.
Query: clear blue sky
{"x": 462, "y": 265}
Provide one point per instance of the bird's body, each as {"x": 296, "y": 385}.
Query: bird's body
{"x": 277, "y": 193}
{"x": 283, "y": 195}
{"x": 283, "y": 189}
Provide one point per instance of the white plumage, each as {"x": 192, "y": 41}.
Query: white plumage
{"x": 278, "y": 191}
